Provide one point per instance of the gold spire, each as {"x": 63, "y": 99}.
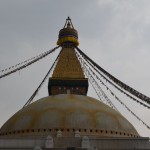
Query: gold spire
{"x": 68, "y": 76}
{"x": 68, "y": 65}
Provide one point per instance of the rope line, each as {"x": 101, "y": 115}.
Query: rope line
{"x": 118, "y": 82}
{"x": 112, "y": 93}
{"x": 29, "y": 63}
{"x": 14, "y": 66}
{"x": 119, "y": 89}
{"x": 101, "y": 93}
{"x": 36, "y": 91}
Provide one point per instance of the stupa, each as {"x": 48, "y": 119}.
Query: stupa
{"x": 68, "y": 118}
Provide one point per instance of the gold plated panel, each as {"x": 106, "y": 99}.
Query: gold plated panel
{"x": 68, "y": 65}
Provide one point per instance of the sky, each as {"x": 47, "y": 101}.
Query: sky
{"x": 114, "y": 33}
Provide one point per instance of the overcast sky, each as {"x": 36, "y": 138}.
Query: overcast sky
{"x": 114, "y": 33}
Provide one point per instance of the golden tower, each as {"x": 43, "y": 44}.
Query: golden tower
{"x": 68, "y": 75}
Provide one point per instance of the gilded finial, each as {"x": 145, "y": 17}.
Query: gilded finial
{"x": 68, "y": 35}
{"x": 68, "y": 18}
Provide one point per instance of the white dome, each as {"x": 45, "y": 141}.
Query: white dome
{"x": 68, "y": 113}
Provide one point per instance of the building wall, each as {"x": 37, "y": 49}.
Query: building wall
{"x": 61, "y": 143}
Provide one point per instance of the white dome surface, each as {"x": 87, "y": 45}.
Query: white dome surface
{"x": 68, "y": 113}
